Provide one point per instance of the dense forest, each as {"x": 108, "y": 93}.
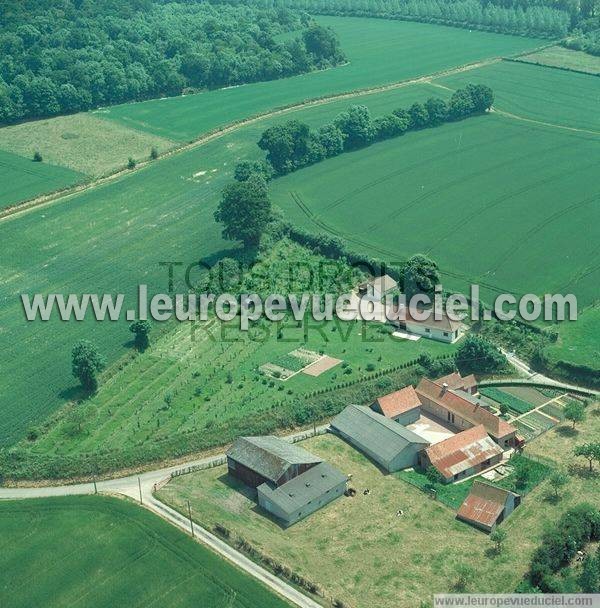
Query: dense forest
{"x": 587, "y": 42}
{"x": 545, "y": 18}
{"x": 62, "y": 56}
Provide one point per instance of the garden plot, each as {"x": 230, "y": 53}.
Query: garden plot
{"x": 290, "y": 364}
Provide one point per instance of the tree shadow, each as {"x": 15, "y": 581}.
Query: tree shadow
{"x": 74, "y": 393}
{"x": 567, "y": 431}
{"x": 552, "y": 499}
{"x": 582, "y": 471}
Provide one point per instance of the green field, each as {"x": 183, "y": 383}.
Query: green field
{"x": 579, "y": 341}
{"x": 560, "y": 57}
{"x": 491, "y": 211}
{"x": 359, "y": 551}
{"x": 103, "y": 552}
{"x": 23, "y": 179}
{"x": 529, "y": 91}
{"x": 379, "y": 52}
{"x": 110, "y": 239}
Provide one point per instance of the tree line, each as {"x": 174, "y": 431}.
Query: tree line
{"x": 292, "y": 145}
{"x": 544, "y": 18}
{"x": 588, "y": 42}
{"x": 63, "y": 56}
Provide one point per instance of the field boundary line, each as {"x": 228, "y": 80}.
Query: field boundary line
{"x": 64, "y": 194}
{"x": 541, "y": 122}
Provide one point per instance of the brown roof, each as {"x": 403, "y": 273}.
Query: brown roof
{"x": 398, "y": 402}
{"x": 484, "y": 504}
{"x": 455, "y": 380}
{"x": 462, "y": 451}
{"x": 464, "y": 408}
{"x": 399, "y": 312}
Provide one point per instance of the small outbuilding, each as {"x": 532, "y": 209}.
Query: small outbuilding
{"x": 403, "y": 406}
{"x": 378, "y": 287}
{"x": 258, "y": 460}
{"x": 486, "y": 505}
{"x": 302, "y": 495}
{"x": 389, "y": 444}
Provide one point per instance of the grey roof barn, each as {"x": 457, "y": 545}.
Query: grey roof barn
{"x": 388, "y": 443}
{"x": 259, "y": 459}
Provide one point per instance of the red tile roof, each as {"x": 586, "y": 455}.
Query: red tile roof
{"x": 484, "y": 504}
{"x": 399, "y": 402}
{"x": 462, "y": 451}
{"x": 455, "y": 380}
{"x": 464, "y": 408}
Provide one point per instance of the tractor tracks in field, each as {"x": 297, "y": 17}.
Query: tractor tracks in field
{"x": 67, "y": 193}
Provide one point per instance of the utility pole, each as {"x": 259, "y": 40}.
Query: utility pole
{"x": 140, "y": 488}
{"x": 190, "y": 516}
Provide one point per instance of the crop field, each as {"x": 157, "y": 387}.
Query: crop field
{"x": 351, "y": 547}
{"x": 379, "y": 52}
{"x": 110, "y": 239}
{"x": 560, "y": 57}
{"x": 579, "y": 341}
{"x": 82, "y": 142}
{"x": 104, "y": 552}
{"x": 518, "y": 405}
{"x": 21, "y": 178}
{"x": 538, "y": 93}
{"x": 491, "y": 212}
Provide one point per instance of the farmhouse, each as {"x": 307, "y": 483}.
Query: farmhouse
{"x": 463, "y": 411}
{"x": 303, "y": 494}
{"x": 487, "y": 505}
{"x": 403, "y": 406}
{"x": 388, "y": 443}
{"x": 464, "y": 454}
{"x": 258, "y": 460}
{"x": 457, "y": 382}
{"x": 424, "y": 323}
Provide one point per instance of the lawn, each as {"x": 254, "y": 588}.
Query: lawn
{"x": 379, "y": 52}
{"x": 358, "y": 550}
{"x": 199, "y": 386}
{"x": 110, "y": 239}
{"x": 491, "y": 213}
{"x": 82, "y": 142}
{"x": 23, "y": 179}
{"x": 103, "y": 552}
{"x": 560, "y": 57}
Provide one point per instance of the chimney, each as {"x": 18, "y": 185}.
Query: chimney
{"x": 444, "y": 387}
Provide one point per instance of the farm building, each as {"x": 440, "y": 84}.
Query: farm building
{"x": 258, "y": 460}
{"x": 303, "y": 494}
{"x": 442, "y": 328}
{"x": 402, "y": 406}
{"x": 388, "y": 443}
{"x": 487, "y": 505}
{"x": 463, "y": 411}
{"x": 455, "y": 381}
{"x": 377, "y": 287}
{"x": 462, "y": 455}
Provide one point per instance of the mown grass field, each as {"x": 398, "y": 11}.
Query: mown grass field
{"x": 379, "y": 52}
{"x": 579, "y": 341}
{"x": 483, "y": 197}
{"x": 22, "y": 178}
{"x": 560, "y": 57}
{"x": 358, "y": 550}
{"x": 103, "y": 552}
{"x": 110, "y": 239}
{"x": 82, "y": 142}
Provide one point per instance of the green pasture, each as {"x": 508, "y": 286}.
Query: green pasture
{"x": 103, "y": 552}
{"x": 560, "y": 57}
{"x": 379, "y": 52}
{"x": 483, "y": 197}
{"x": 579, "y": 341}
{"x": 539, "y": 93}
{"x": 112, "y": 238}
{"x": 22, "y": 179}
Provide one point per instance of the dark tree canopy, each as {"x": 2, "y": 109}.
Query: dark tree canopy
{"x": 477, "y": 355}
{"x": 356, "y": 125}
{"x": 86, "y": 362}
{"x": 141, "y": 330}
{"x": 421, "y": 275}
{"x": 245, "y": 211}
